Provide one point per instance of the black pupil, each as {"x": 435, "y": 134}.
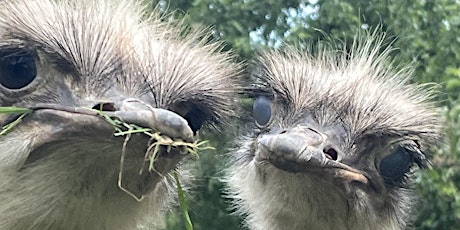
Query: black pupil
{"x": 395, "y": 165}
{"x": 17, "y": 69}
{"x": 262, "y": 111}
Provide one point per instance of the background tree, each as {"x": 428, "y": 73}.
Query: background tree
{"x": 425, "y": 33}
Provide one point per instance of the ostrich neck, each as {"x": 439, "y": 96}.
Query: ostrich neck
{"x": 277, "y": 200}
{"x": 74, "y": 186}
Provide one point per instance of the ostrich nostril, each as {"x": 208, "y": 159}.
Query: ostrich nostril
{"x": 330, "y": 153}
{"x": 107, "y": 107}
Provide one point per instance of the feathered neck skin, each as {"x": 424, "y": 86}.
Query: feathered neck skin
{"x": 335, "y": 138}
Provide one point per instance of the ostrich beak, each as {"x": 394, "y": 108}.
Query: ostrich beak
{"x": 305, "y": 150}
{"x": 164, "y": 121}
{"x": 93, "y": 136}
{"x": 131, "y": 111}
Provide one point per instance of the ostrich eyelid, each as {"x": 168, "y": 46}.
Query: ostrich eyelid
{"x": 262, "y": 111}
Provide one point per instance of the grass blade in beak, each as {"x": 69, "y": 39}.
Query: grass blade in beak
{"x": 13, "y": 110}
{"x": 183, "y": 202}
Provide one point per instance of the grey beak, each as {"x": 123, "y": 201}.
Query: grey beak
{"x": 164, "y": 121}
{"x": 132, "y": 111}
{"x": 300, "y": 145}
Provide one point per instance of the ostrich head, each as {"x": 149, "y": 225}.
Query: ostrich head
{"x": 335, "y": 138}
{"x": 61, "y": 165}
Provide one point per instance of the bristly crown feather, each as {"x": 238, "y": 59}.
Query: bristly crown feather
{"x": 358, "y": 87}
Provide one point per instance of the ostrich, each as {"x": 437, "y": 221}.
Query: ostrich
{"x": 337, "y": 132}
{"x": 60, "y": 165}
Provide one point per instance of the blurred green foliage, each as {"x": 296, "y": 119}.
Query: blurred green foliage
{"x": 425, "y": 33}
{"x": 208, "y": 209}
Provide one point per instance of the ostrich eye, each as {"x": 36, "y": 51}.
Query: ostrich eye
{"x": 17, "y": 68}
{"x": 195, "y": 119}
{"x": 262, "y": 111}
{"x": 195, "y": 115}
{"x": 394, "y": 166}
